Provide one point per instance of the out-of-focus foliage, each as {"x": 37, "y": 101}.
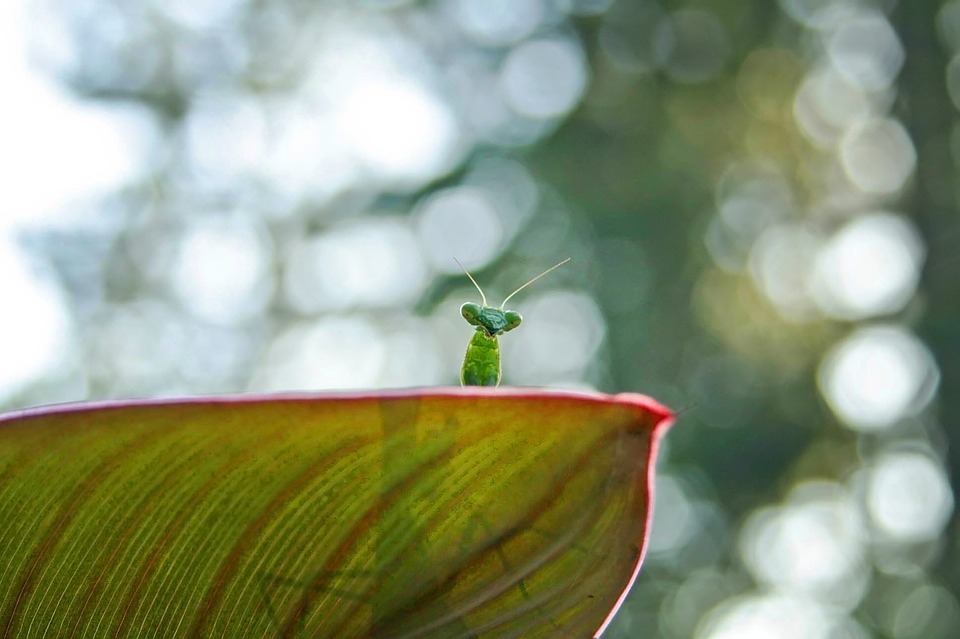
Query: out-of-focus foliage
{"x": 759, "y": 199}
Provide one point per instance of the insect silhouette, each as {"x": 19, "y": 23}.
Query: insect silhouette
{"x": 481, "y": 363}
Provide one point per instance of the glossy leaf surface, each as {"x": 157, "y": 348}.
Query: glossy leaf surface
{"x": 440, "y": 513}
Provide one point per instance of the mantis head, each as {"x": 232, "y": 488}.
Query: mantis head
{"x": 494, "y": 321}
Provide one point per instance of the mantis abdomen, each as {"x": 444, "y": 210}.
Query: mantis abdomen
{"x": 481, "y": 363}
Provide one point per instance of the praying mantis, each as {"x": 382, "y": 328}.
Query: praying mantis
{"x": 481, "y": 363}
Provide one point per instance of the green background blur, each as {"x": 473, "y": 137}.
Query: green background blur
{"x": 759, "y": 199}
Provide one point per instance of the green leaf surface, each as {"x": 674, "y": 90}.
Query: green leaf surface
{"x": 440, "y": 513}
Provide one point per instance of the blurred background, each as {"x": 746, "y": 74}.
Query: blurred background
{"x": 760, "y": 200}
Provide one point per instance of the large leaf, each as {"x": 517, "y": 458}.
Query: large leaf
{"x": 441, "y": 513}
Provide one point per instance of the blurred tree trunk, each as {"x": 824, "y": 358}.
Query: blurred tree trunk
{"x": 930, "y": 116}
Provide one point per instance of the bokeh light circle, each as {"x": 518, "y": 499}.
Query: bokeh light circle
{"x": 777, "y": 615}
{"x": 814, "y": 544}
{"x": 544, "y": 79}
{"x": 877, "y": 376}
{"x": 878, "y": 156}
{"x": 692, "y": 45}
{"x": 221, "y": 270}
{"x": 372, "y": 263}
{"x": 497, "y": 22}
{"x": 460, "y": 222}
{"x": 870, "y": 267}
{"x": 909, "y": 498}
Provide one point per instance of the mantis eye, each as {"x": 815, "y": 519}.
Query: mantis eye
{"x": 471, "y": 313}
{"x": 513, "y": 320}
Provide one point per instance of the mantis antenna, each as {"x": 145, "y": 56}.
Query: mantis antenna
{"x": 482, "y": 296}
{"x": 555, "y": 266}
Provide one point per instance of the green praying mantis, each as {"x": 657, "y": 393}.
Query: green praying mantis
{"x": 481, "y": 363}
